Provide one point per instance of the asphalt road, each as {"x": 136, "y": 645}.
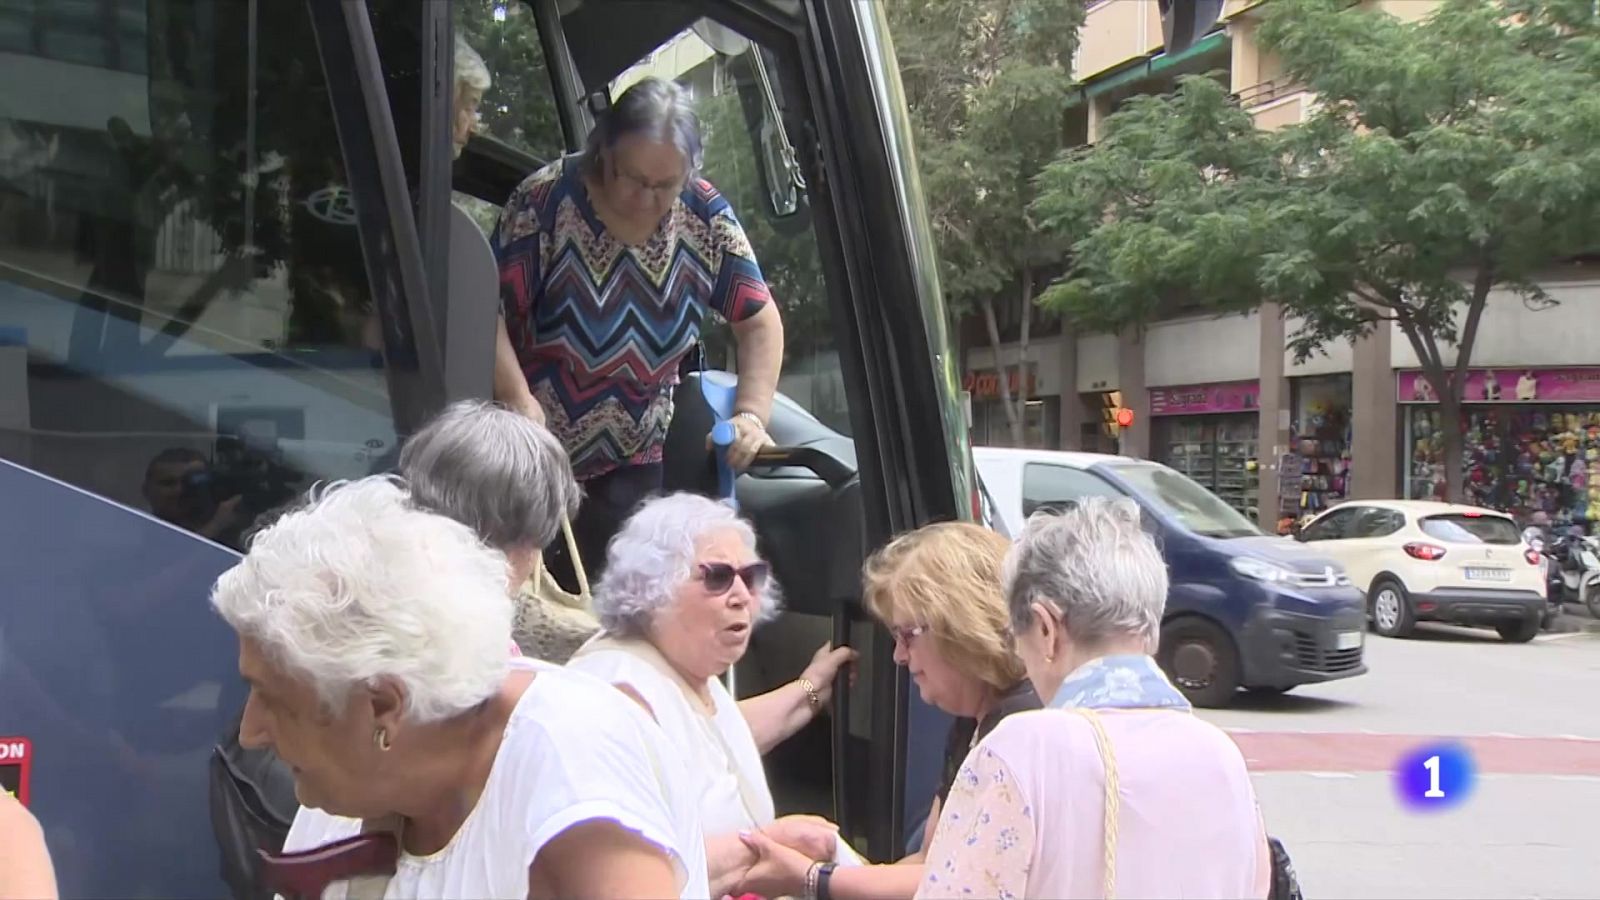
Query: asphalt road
{"x": 1530, "y": 714}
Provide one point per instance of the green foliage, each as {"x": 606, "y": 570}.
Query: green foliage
{"x": 519, "y": 107}
{"x": 1447, "y": 157}
{"x": 987, "y": 82}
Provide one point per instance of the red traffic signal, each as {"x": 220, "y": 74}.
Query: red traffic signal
{"x": 1125, "y": 417}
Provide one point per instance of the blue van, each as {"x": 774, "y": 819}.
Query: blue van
{"x": 1245, "y": 609}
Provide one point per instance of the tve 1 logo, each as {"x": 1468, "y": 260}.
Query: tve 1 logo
{"x": 1436, "y": 777}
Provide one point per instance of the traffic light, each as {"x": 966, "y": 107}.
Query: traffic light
{"x": 1114, "y": 416}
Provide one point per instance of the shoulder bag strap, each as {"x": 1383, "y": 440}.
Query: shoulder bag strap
{"x": 577, "y": 559}
{"x": 1113, "y": 801}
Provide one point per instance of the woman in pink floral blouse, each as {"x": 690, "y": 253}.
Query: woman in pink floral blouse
{"x": 1115, "y": 789}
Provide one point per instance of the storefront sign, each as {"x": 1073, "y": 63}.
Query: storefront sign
{"x": 985, "y": 385}
{"x": 1198, "y": 399}
{"x": 1571, "y": 385}
{"x": 16, "y": 761}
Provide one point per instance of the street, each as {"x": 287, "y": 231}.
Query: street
{"x": 1529, "y": 713}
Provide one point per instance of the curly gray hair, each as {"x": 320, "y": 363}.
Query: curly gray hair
{"x": 1094, "y": 566}
{"x": 654, "y": 553}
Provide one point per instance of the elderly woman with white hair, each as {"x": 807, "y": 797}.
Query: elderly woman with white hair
{"x": 682, "y": 592}
{"x": 472, "y": 81}
{"x": 372, "y": 636}
{"x": 1115, "y": 788}
{"x": 508, "y": 479}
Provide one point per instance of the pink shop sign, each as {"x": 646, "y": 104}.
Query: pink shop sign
{"x": 1197, "y": 399}
{"x": 1578, "y": 384}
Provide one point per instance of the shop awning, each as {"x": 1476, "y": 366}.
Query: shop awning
{"x": 1145, "y": 67}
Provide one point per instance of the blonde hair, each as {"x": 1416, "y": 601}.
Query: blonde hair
{"x": 947, "y": 577}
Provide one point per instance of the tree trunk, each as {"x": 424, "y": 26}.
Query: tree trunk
{"x": 1019, "y": 422}
{"x": 1455, "y": 488}
{"x": 1000, "y": 370}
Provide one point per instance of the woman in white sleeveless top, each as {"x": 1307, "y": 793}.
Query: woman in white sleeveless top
{"x": 373, "y": 636}
{"x": 682, "y": 591}
{"x": 1115, "y": 789}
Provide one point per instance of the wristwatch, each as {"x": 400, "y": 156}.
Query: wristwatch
{"x": 746, "y": 414}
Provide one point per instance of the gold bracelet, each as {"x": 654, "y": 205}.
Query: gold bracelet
{"x": 812, "y": 697}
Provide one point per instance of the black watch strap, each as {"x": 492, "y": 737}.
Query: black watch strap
{"x": 824, "y": 873}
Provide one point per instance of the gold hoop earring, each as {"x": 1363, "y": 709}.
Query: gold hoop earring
{"x": 381, "y": 738}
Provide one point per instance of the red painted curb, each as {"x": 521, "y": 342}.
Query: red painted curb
{"x": 1294, "y": 751}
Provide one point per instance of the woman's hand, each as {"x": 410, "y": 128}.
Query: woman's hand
{"x": 779, "y": 871}
{"x": 749, "y": 438}
{"x": 812, "y": 836}
{"x": 825, "y": 665}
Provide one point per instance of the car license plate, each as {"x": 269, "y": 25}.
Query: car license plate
{"x": 1348, "y": 640}
{"x": 1488, "y": 574}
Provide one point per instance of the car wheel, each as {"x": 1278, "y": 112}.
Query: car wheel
{"x": 1201, "y": 660}
{"x": 1519, "y": 632}
{"x": 1391, "y": 609}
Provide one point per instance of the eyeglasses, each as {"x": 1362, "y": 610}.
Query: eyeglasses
{"x": 905, "y": 634}
{"x": 644, "y": 185}
{"x": 718, "y": 577}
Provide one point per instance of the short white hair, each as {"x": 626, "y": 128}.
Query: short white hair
{"x": 470, "y": 67}
{"x": 359, "y": 584}
{"x": 1094, "y": 567}
{"x": 654, "y": 553}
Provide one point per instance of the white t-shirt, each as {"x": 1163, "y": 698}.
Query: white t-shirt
{"x": 719, "y": 749}
{"x": 575, "y": 750}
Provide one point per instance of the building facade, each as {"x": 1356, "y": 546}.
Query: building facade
{"x": 1221, "y": 398}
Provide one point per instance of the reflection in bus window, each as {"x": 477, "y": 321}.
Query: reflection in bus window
{"x": 518, "y": 108}
{"x": 185, "y": 320}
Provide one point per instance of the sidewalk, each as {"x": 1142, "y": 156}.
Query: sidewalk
{"x": 1575, "y": 618}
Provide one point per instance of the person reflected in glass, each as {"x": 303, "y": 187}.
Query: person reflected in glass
{"x": 681, "y": 596}
{"x": 937, "y": 591}
{"x": 179, "y": 489}
{"x": 472, "y": 82}
{"x": 609, "y": 260}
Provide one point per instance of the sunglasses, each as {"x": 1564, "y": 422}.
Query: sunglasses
{"x": 718, "y": 577}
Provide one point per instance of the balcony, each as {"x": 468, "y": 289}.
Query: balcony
{"x": 1275, "y": 103}
{"x": 1115, "y": 32}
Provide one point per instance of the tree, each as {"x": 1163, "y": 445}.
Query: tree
{"x": 987, "y": 82}
{"x": 1448, "y": 158}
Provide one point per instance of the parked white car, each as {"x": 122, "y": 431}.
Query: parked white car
{"x": 1421, "y": 561}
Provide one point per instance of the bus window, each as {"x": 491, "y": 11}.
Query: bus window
{"x": 186, "y": 325}
{"x": 517, "y": 113}
{"x": 730, "y": 83}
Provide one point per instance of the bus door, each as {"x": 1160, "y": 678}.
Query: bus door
{"x": 805, "y": 135}
{"x": 210, "y": 297}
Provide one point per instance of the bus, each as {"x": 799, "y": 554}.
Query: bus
{"x": 238, "y": 257}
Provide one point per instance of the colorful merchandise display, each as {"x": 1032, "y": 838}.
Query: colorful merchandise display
{"x": 1517, "y": 460}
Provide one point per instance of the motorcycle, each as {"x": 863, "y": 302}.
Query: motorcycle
{"x": 1576, "y": 571}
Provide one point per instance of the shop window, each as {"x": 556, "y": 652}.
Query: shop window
{"x": 1052, "y": 487}
{"x": 171, "y": 338}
